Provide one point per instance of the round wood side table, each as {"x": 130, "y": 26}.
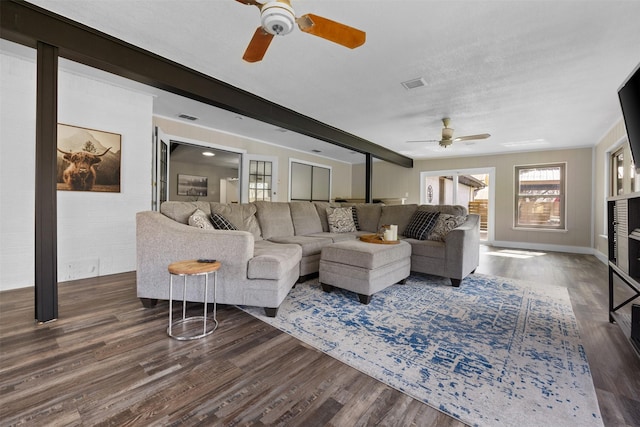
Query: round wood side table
{"x": 193, "y": 268}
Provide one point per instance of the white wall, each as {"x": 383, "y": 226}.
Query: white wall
{"x": 17, "y": 171}
{"x": 96, "y": 231}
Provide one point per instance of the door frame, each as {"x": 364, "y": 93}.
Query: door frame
{"x": 491, "y": 171}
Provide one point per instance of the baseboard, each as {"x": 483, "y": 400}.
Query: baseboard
{"x": 544, "y": 247}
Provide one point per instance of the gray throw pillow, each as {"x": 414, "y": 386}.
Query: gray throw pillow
{"x": 199, "y": 219}
{"x": 340, "y": 220}
{"x": 444, "y": 225}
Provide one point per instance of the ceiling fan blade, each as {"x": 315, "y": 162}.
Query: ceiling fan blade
{"x": 331, "y": 30}
{"x": 249, "y": 2}
{"x": 257, "y": 46}
{"x": 423, "y": 140}
{"x": 472, "y": 137}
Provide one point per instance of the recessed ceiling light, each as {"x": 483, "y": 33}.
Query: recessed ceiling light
{"x": 208, "y": 153}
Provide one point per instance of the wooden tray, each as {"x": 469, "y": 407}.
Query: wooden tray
{"x": 374, "y": 238}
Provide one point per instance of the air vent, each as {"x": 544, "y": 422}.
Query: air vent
{"x": 316, "y": 151}
{"x": 187, "y": 117}
{"x": 414, "y": 84}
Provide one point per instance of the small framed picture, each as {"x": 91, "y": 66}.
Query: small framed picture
{"x": 192, "y": 185}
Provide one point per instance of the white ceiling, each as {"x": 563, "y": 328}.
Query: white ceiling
{"x": 536, "y": 75}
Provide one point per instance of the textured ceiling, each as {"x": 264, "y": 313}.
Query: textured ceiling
{"x": 534, "y": 74}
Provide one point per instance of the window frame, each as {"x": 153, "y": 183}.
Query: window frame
{"x": 562, "y": 210}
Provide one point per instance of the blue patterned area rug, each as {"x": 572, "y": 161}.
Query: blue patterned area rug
{"x": 494, "y": 352}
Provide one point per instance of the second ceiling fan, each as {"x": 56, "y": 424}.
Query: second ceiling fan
{"x": 447, "y": 135}
{"x": 277, "y": 17}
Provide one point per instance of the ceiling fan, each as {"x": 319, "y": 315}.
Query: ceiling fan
{"x": 277, "y": 18}
{"x": 447, "y": 135}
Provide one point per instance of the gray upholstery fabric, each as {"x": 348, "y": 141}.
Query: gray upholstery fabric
{"x": 397, "y": 214}
{"x": 161, "y": 241}
{"x": 321, "y": 208}
{"x": 273, "y": 260}
{"x": 428, "y": 248}
{"x": 309, "y": 245}
{"x": 243, "y": 216}
{"x": 365, "y": 255}
{"x": 181, "y": 211}
{"x": 339, "y": 237}
{"x": 448, "y": 209}
{"x": 305, "y": 218}
{"x": 275, "y": 219}
{"x": 369, "y": 216}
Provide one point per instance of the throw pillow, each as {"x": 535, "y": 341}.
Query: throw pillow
{"x": 354, "y": 213}
{"x": 221, "y": 223}
{"x": 199, "y": 219}
{"x": 421, "y": 224}
{"x": 340, "y": 220}
{"x": 444, "y": 225}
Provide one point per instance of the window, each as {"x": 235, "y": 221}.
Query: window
{"x": 260, "y": 180}
{"x": 540, "y": 197}
{"x": 623, "y": 175}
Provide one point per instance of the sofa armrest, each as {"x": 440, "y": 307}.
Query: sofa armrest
{"x": 160, "y": 239}
{"x": 463, "y": 248}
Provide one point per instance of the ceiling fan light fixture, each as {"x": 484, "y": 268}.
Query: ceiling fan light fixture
{"x": 277, "y": 18}
{"x": 447, "y": 133}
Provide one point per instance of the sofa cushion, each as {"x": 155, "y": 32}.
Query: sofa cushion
{"x": 447, "y": 209}
{"x": 321, "y": 208}
{"x": 369, "y": 216}
{"x": 397, "y": 214}
{"x": 221, "y": 223}
{"x": 275, "y": 219}
{"x": 341, "y": 220}
{"x": 338, "y": 237}
{"x": 305, "y": 218}
{"x": 273, "y": 260}
{"x": 365, "y": 255}
{"x": 200, "y": 220}
{"x": 427, "y": 248}
{"x": 444, "y": 225}
{"x": 242, "y": 216}
{"x": 181, "y": 211}
{"x": 421, "y": 224}
{"x": 309, "y": 245}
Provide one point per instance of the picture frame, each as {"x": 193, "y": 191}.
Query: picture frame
{"x": 88, "y": 159}
{"x": 193, "y": 185}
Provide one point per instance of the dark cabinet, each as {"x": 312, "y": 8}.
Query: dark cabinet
{"x": 624, "y": 261}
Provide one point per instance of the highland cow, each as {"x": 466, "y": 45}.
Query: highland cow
{"x": 80, "y": 175}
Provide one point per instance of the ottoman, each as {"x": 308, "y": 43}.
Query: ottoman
{"x": 364, "y": 268}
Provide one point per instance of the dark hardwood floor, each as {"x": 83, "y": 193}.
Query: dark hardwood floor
{"x": 108, "y": 361}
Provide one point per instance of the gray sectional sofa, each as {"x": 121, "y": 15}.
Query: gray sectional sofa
{"x": 275, "y": 245}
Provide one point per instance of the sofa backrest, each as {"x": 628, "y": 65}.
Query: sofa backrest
{"x": 457, "y": 210}
{"x": 275, "y": 219}
{"x": 305, "y": 218}
{"x": 368, "y": 216}
{"x": 397, "y": 214}
{"x": 243, "y": 216}
{"x": 181, "y": 211}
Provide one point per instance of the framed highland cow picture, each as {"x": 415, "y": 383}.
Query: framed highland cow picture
{"x": 88, "y": 159}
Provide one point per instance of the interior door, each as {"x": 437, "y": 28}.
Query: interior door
{"x": 259, "y": 178}
{"x": 160, "y": 169}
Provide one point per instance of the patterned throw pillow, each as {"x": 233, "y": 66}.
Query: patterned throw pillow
{"x": 221, "y": 223}
{"x": 199, "y": 219}
{"x": 354, "y": 213}
{"x": 421, "y": 224}
{"x": 340, "y": 220}
{"x": 444, "y": 225}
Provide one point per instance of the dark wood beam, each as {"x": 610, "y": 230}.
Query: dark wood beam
{"x": 46, "y": 243}
{"x": 368, "y": 183}
{"x": 25, "y": 23}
